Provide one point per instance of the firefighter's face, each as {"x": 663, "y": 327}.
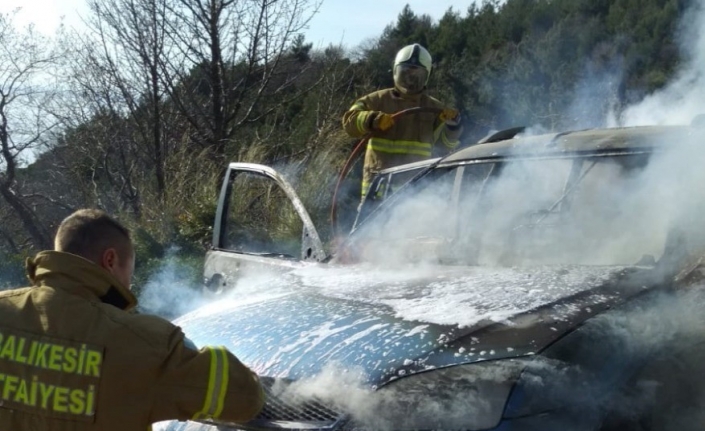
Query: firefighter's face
{"x": 410, "y": 77}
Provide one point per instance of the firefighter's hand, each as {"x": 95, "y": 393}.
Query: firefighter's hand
{"x": 450, "y": 116}
{"x": 383, "y": 122}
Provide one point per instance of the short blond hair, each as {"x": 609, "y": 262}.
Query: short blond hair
{"x": 89, "y": 232}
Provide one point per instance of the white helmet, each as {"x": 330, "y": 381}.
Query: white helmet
{"x": 412, "y": 67}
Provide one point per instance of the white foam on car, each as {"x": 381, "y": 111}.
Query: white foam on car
{"x": 461, "y": 297}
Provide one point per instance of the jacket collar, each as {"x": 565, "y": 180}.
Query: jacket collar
{"x": 80, "y": 276}
{"x": 412, "y": 97}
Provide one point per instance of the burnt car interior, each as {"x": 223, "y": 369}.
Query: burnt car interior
{"x": 561, "y": 210}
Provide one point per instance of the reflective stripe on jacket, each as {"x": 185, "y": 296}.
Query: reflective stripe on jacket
{"x": 72, "y": 358}
{"x": 413, "y": 137}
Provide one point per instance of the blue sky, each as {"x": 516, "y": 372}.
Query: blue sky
{"x": 338, "y": 21}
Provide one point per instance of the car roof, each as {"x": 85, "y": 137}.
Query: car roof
{"x": 583, "y": 141}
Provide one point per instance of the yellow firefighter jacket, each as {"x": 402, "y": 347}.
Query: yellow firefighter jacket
{"x": 71, "y": 358}
{"x": 411, "y": 139}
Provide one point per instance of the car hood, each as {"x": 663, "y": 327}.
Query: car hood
{"x": 388, "y": 324}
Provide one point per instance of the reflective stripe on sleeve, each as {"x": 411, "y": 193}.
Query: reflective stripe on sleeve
{"x": 224, "y": 382}
{"x": 217, "y": 385}
{"x": 361, "y": 116}
{"x": 357, "y": 106}
{"x": 360, "y": 120}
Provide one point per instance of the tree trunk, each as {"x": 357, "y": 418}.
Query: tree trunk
{"x": 40, "y": 237}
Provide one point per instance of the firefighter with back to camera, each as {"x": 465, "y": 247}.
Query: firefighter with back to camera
{"x": 73, "y": 358}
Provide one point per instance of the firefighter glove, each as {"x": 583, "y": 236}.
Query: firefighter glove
{"x": 383, "y": 122}
{"x": 450, "y": 116}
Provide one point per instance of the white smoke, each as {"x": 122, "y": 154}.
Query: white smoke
{"x": 683, "y": 98}
{"x": 462, "y": 398}
{"x": 616, "y": 212}
{"x": 664, "y": 334}
{"x": 596, "y": 92}
{"x": 662, "y": 327}
{"x": 620, "y": 214}
{"x": 648, "y": 203}
{"x": 170, "y": 292}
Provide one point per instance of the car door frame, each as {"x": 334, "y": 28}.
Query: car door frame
{"x": 222, "y": 264}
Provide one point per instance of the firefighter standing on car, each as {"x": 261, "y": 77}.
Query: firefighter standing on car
{"x": 73, "y": 358}
{"x": 407, "y": 138}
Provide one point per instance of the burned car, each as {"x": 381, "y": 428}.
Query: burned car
{"x": 539, "y": 282}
